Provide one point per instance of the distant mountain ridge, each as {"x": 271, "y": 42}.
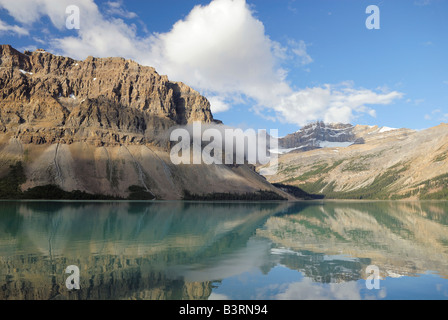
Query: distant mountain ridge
{"x": 378, "y": 163}
{"x": 319, "y": 135}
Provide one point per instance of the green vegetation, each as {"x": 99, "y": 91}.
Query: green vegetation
{"x": 261, "y": 195}
{"x": 139, "y": 193}
{"x": 316, "y": 187}
{"x": 10, "y": 185}
{"x": 355, "y": 166}
{"x": 440, "y": 157}
{"x": 52, "y": 192}
{"x": 439, "y": 183}
{"x": 318, "y": 169}
{"x": 297, "y": 192}
{"x": 434, "y": 189}
{"x": 377, "y": 190}
{"x": 10, "y": 189}
{"x": 288, "y": 169}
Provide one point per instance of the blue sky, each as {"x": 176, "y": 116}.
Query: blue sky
{"x": 264, "y": 63}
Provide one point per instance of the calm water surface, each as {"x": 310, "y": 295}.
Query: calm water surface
{"x": 175, "y": 250}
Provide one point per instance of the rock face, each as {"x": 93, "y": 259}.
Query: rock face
{"x": 48, "y": 99}
{"x": 389, "y": 164}
{"x": 101, "y": 126}
{"x": 318, "y": 135}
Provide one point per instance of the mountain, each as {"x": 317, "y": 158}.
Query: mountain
{"x": 318, "y": 135}
{"x": 382, "y": 163}
{"x": 100, "y": 127}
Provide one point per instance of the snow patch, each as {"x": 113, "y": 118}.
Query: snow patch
{"x": 25, "y": 72}
{"x": 387, "y": 129}
{"x": 328, "y": 144}
{"x": 72, "y": 96}
{"x": 282, "y": 251}
{"x": 392, "y": 274}
{"x": 283, "y": 151}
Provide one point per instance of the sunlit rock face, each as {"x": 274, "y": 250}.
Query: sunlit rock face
{"x": 104, "y": 101}
{"x": 103, "y": 125}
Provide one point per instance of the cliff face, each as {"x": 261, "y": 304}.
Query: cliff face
{"x": 47, "y": 99}
{"x": 101, "y": 126}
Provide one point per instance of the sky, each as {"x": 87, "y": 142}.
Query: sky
{"x": 265, "y": 64}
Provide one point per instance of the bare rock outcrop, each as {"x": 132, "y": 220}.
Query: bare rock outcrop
{"x": 46, "y": 98}
{"x": 101, "y": 126}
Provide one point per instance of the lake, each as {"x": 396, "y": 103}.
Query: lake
{"x": 201, "y": 251}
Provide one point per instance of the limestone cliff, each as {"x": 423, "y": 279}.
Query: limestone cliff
{"x": 100, "y": 126}
{"x": 48, "y": 99}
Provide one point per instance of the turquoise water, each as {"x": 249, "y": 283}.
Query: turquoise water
{"x": 175, "y": 250}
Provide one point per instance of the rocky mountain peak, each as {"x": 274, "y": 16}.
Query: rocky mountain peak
{"x": 319, "y": 135}
{"x": 47, "y": 98}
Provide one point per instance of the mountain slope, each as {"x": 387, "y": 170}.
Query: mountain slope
{"x": 389, "y": 164}
{"x": 100, "y": 126}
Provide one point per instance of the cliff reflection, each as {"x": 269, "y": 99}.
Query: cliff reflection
{"x": 123, "y": 250}
{"x": 174, "y": 250}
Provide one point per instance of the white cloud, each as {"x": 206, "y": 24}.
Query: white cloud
{"x": 416, "y": 101}
{"x": 221, "y": 49}
{"x": 444, "y": 118}
{"x": 331, "y": 103}
{"x": 6, "y": 28}
{"x": 115, "y": 8}
{"x": 441, "y": 117}
{"x": 307, "y": 290}
{"x": 218, "y": 296}
{"x": 218, "y": 104}
{"x": 300, "y": 50}
{"x": 30, "y": 11}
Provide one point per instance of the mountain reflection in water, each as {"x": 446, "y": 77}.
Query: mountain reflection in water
{"x": 176, "y": 250}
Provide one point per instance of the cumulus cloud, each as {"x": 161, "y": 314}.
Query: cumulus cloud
{"x": 331, "y": 103}
{"x": 221, "y": 49}
{"x": 218, "y": 104}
